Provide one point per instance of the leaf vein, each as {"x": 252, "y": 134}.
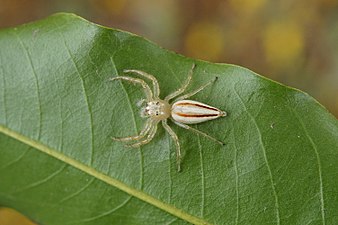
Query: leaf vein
{"x": 314, "y": 147}
{"x": 134, "y": 123}
{"x": 104, "y": 213}
{"x": 42, "y": 181}
{"x": 236, "y": 173}
{"x": 202, "y": 177}
{"x": 36, "y": 80}
{"x": 170, "y": 176}
{"x": 264, "y": 155}
{"x": 105, "y": 178}
{"x": 77, "y": 192}
{"x": 14, "y": 160}
{"x": 4, "y": 91}
{"x": 91, "y": 157}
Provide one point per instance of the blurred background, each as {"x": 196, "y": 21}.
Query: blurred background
{"x": 294, "y": 42}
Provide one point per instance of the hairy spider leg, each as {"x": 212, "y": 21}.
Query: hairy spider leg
{"x": 145, "y": 86}
{"x": 150, "y": 77}
{"x": 184, "y": 86}
{"x": 177, "y": 144}
{"x": 188, "y": 95}
{"x": 143, "y": 133}
{"x": 149, "y": 137}
{"x": 185, "y": 126}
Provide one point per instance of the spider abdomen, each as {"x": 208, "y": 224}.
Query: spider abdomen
{"x": 191, "y": 112}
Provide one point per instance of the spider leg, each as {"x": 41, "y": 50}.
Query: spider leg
{"x": 150, "y": 77}
{"x": 143, "y": 133}
{"x": 184, "y": 86}
{"x": 145, "y": 86}
{"x": 198, "y": 132}
{"x": 149, "y": 137}
{"x": 177, "y": 144}
{"x": 197, "y": 90}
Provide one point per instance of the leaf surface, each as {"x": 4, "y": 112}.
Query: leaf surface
{"x": 58, "y": 112}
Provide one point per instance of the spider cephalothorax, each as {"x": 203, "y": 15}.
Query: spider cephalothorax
{"x": 181, "y": 112}
{"x": 157, "y": 109}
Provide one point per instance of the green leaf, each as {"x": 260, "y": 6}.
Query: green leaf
{"x": 58, "y": 112}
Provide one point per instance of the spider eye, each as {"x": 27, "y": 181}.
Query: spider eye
{"x": 156, "y": 113}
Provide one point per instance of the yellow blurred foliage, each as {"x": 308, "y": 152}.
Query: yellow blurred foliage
{"x": 12, "y": 217}
{"x": 205, "y": 40}
{"x": 115, "y": 7}
{"x": 246, "y": 7}
{"x": 283, "y": 43}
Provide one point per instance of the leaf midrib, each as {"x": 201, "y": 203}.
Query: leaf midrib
{"x": 100, "y": 176}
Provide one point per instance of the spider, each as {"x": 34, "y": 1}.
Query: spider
{"x": 180, "y": 112}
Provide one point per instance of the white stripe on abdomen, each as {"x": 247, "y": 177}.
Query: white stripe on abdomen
{"x": 190, "y": 112}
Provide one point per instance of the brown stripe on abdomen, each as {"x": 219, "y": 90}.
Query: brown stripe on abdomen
{"x": 196, "y": 115}
{"x": 194, "y": 104}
